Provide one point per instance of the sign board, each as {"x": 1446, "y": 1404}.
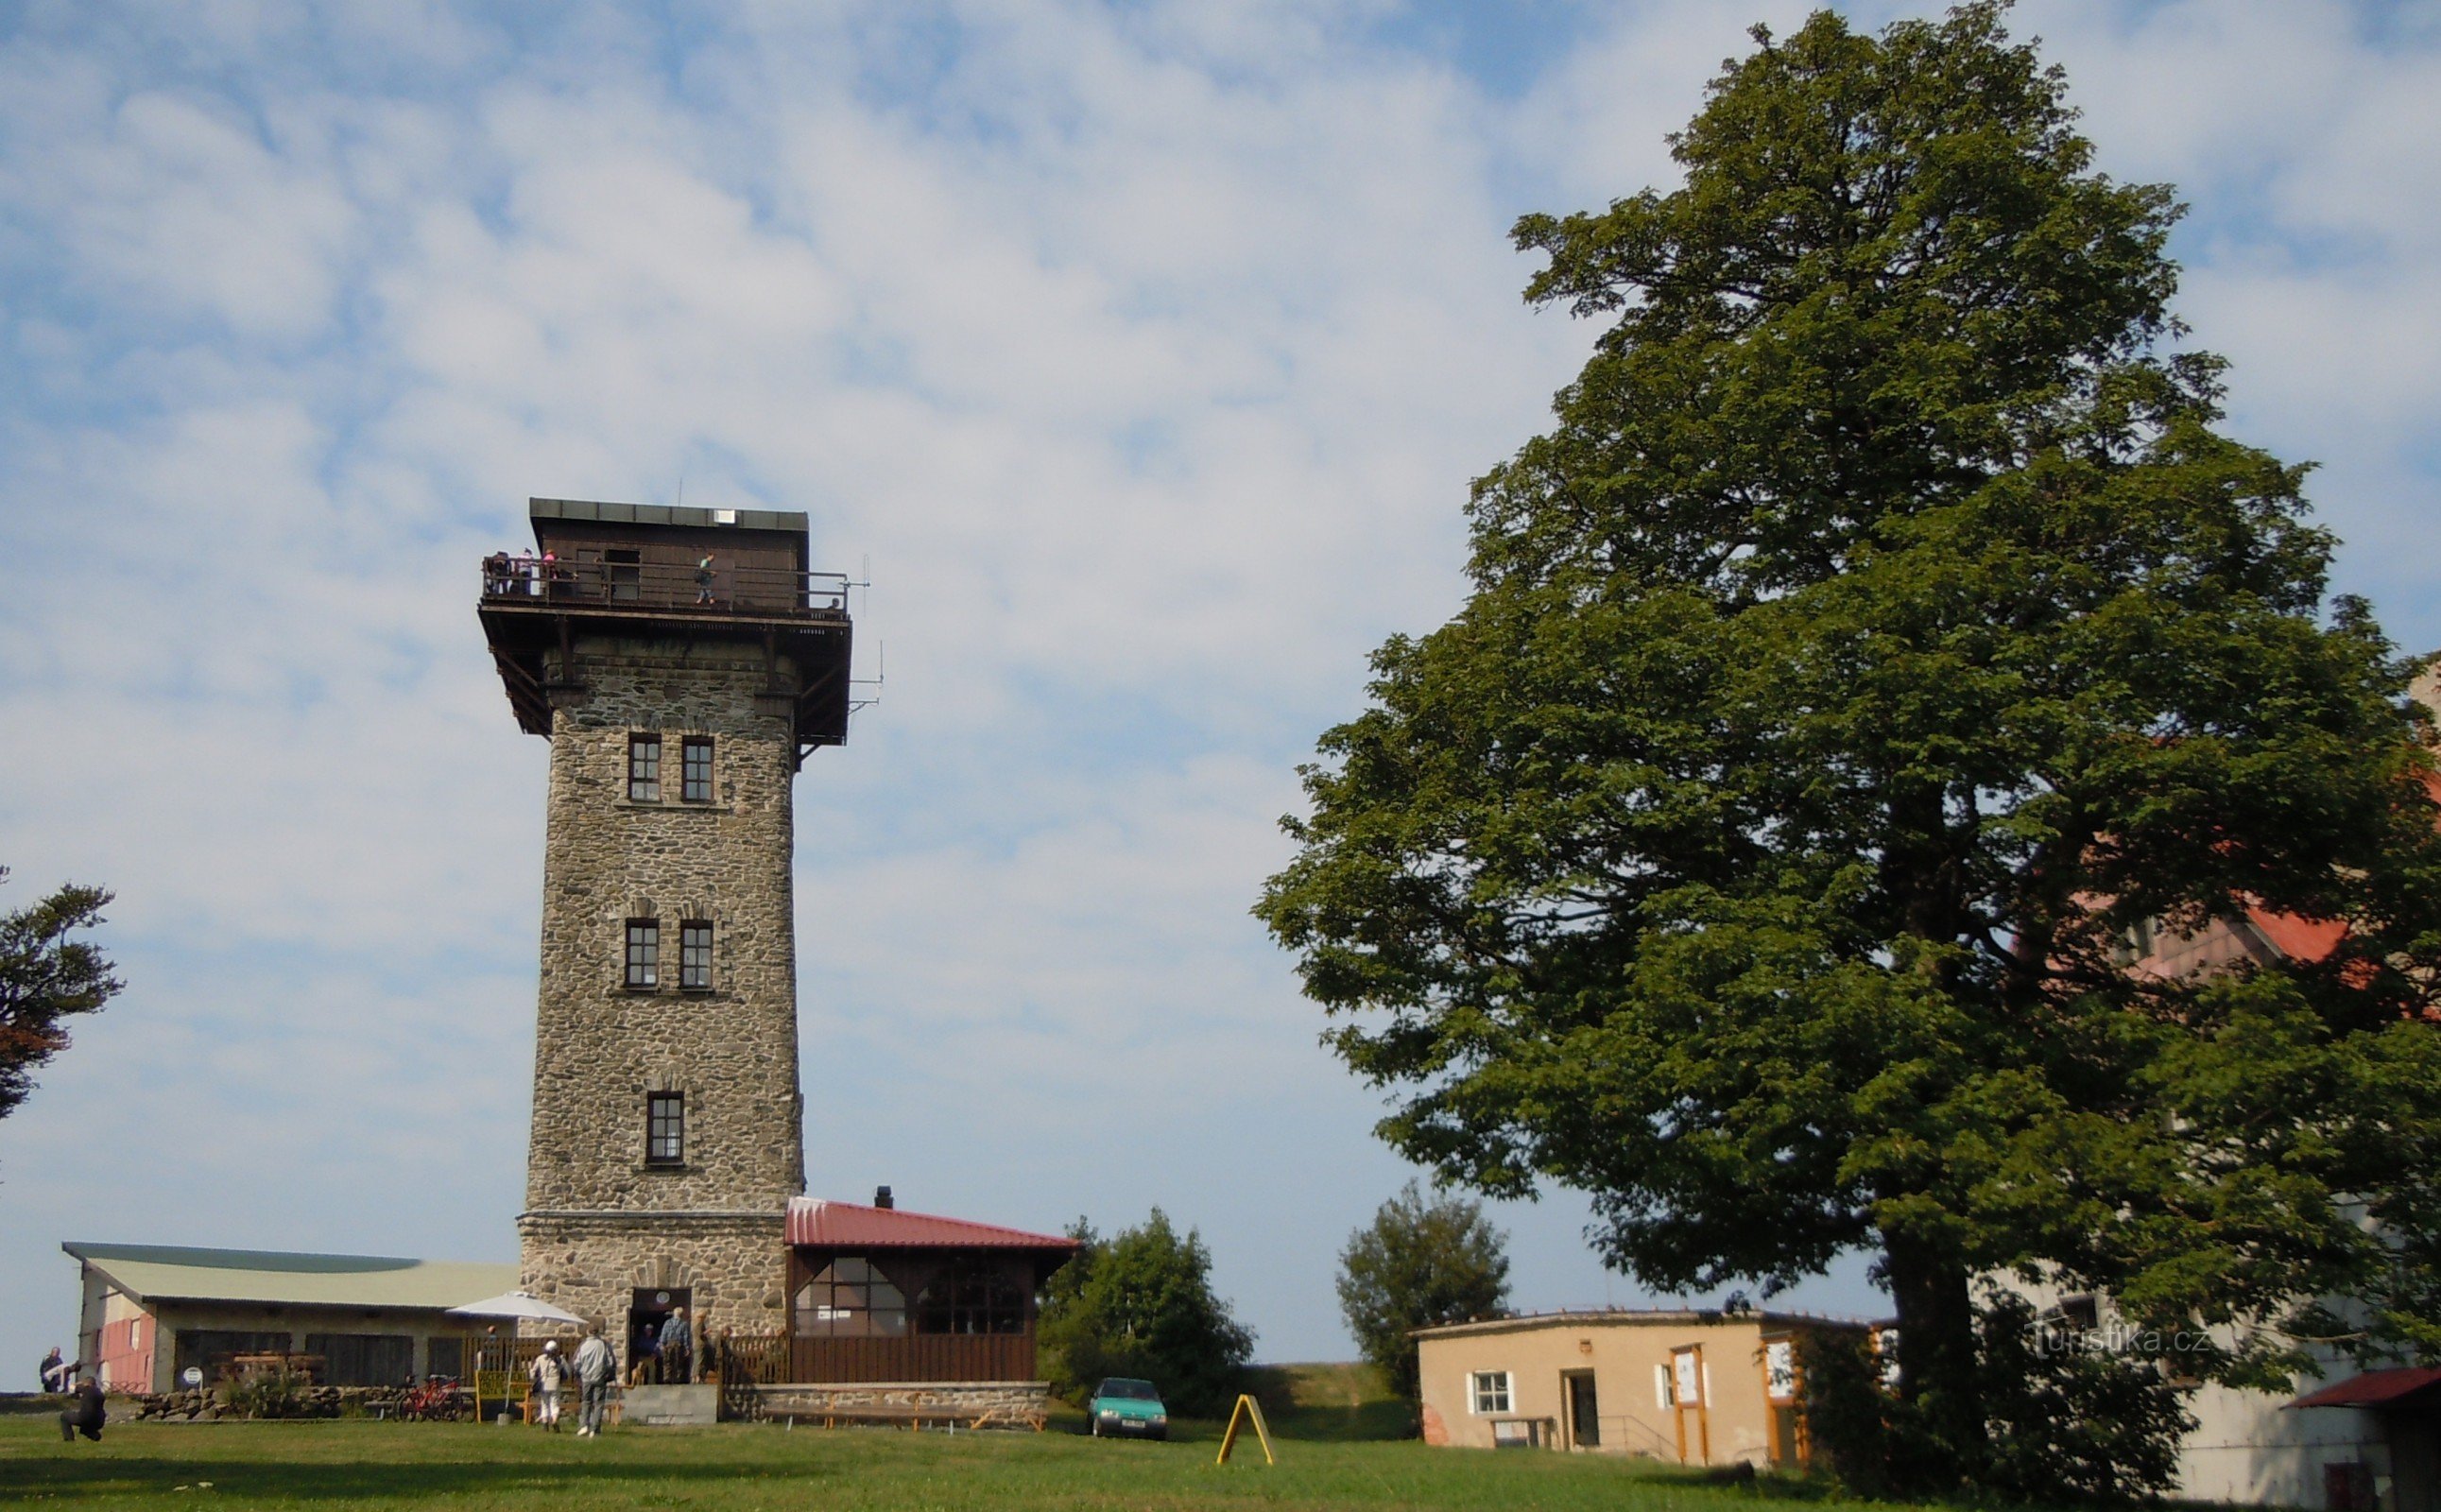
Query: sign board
{"x": 1687, "y": 1366}
{"x": 1779, "y": 1369}
{"x": 192, "y": 1376}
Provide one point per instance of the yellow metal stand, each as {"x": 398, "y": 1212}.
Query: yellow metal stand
{"x": 1247, "y": 1410}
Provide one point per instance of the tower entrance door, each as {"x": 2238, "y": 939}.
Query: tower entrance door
{"x": 648, "y": 1309}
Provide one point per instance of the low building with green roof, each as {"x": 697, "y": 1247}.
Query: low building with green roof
{"x": 153, "y": 1311}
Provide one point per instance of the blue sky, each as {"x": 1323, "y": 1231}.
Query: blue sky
{"x": 1145, "y": 353}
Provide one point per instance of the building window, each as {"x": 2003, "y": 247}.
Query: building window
{"x": 696, "y": 769}
{"x": 971, "y": 1297}
{"x": 665, "y": 1128}
{"x": 695, "y": 956}
{"x": 644, "y": 952}
{"x": 362, "y": 1360}
{"x": 644, "y": 769}
{"x": 214, "y": 1350}
{"x": 1491, "y": 1393}
{"x": 850, "y": 1299}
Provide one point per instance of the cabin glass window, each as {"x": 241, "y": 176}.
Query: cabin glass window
{"x": 644, "y": 952}
{"x": 696, "y": 769}
{"x": 1491, "y": 1391}
{"x": 665, "y": 1128}
{"x": 644, "y": 769}
{"x": 971, "y": 1297}
{"x": 850, "y": 1298}
{"x": 694, "y": 955}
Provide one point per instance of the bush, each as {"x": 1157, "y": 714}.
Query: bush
{"x": 1141, "y": 1304}
{"x": 2061, "y": 1424}
{"x": 1416, "y": 1264}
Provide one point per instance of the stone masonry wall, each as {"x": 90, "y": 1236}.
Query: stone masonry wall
{"x": 601, "y": 1222}
{"x": 736, "y": 1268}
{"x": 600, "y": 1047}
{"x": 1006, "y": 1403}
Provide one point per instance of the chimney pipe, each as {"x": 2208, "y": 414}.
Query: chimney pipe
{"x": 882, "y": 1198}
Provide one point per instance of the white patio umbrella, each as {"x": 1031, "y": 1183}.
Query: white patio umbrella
{"x": 519, "y": 1305}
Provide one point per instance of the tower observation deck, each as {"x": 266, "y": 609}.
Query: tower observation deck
{"x": 631, "y": 570}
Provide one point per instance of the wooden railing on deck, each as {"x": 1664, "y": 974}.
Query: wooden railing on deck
{"x": 914, "y": 1357}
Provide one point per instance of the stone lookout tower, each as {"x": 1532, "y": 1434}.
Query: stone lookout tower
{"x": 682, "y": 662}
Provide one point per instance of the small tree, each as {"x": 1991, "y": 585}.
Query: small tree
{"x": 1416, "y": 1264}
{"x": 44, "y": 976}
{"x": 1142, "y": 1304}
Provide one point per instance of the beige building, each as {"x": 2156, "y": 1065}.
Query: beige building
{"x": 149, "y": 1312}
{"x": 1691, "y": 1388}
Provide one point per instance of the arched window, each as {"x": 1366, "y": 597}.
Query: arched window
{"x": 971, "y": 1297}
{"x": 850, "y": 1299}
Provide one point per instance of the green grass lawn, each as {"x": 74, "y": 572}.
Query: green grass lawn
{"x": 371, "y": 1465}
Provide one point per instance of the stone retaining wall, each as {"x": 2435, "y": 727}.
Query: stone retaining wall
{"x": 1010, "y": 1403}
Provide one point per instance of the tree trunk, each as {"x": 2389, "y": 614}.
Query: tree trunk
{"x": 1940, "y": 1443}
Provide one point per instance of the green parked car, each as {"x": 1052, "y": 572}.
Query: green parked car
{"x": 1124, "y": 1406}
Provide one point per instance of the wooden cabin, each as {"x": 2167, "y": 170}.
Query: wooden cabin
{"x": 876, "y": 1294}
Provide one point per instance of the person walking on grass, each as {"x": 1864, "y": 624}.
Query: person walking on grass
{"x": 594, "y": 1370}
{"x": 549, "y": 1372}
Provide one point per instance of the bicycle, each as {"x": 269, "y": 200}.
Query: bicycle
{"x": 436, "y": 1400}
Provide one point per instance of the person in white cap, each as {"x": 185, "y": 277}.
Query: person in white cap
{"x": 549, "y": 1370}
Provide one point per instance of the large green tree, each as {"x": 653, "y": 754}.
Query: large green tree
{"x": 46, "y": 977}
{"x": 1884, "y": 629}
{"x": 1420, "y": 1262}
{"x": 1141, "y": 1304}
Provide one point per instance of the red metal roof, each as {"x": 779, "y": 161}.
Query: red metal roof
{"x": 850, "y": 1226}
{"x": 2374, "y": 1388}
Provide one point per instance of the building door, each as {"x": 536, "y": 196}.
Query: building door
{"x": 647, "y": 1309}
{"x": 1585, "y": 1413}
{"x": 1686, "y": 1384}
{"x": 1786, "y": 1445}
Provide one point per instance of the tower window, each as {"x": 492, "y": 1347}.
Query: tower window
{"x": 665, "y": 1128}
{"x": 694, "y": 955}
{"x": 696, "y": 751}
{"x": 644, "y": 952}
{"x": 644, "y": 769}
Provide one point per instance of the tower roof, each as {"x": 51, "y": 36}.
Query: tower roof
{"x": 681, "y": 517}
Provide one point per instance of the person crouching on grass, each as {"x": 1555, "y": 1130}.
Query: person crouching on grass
{"x": 84, "y": 1413}
{"x": 548, "y": 1371}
